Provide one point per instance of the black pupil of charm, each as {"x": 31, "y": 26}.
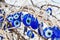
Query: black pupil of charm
{"x": 10, "y": 18}
{"x": 16, "y": 16}
{"x": 28, "y": 21}
{"x": 49, "y": 33}
{"x": 16, "y": 23}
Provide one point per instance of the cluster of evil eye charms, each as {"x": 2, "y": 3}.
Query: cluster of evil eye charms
{"x": 14, "y": 20}
{"x": 50, "y": 32}
{"x": 30, "y": 21}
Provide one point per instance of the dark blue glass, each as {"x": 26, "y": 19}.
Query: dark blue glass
{"x": 30, "y": 34}
{"x": 25, "y": 29}
{"x": 2, "y": 11}
{"x": 56, "y": 31}
{"x": 39, "y": 31}
{"x": 35, "y": 24}
{"x": 49, "y": 9}
{"x": 1, "y": 18}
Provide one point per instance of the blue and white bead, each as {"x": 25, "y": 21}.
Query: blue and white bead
{"x": 10, "y": 18}
{"x": 16, "y": 16}
{"x": 16, "y": 23}
{"x": 49, "y": 10}
{"x": 30, "y": 34}
{"x": 47, "y": 32}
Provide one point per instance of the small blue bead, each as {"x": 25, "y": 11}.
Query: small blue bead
{"x": 30, "y": 34}
{"x": 1, "y": 18}
{"x": 10, "y": 18}
{"x": 42, "y": 24}
{"x": 25, "y": 29}
{"x": 16, "y": 16}
{"x": 49, "y": 9}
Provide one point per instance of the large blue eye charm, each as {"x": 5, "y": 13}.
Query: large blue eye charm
{"x": 16, "y": 23}
{"x": 30, "y": 34}
{"x": 47, "y": 32}
{"x": 34, "y": 24}
{"x": 16, "y": 16}
{"x": 10, "y": 18}
{"x": 1, "y": 18}
{"x": 27, "y": 19}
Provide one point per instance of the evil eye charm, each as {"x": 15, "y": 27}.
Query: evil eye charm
{"x": 16, "y": 16}
{"x": 47, "y": 32}
{"x": 27, "y": 19}
{"x": 30, "y": 34}
{"x": 10, "y": 18}
{"x": 34, "y": 24}
{"x": 16, "y": 23}
{"x": 1, "y": 18}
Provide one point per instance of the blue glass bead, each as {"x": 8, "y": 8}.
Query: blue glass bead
{"x": 10, "y": 18}
{"x": 56, "y": 31}
{"x": 21, "y": 14}
{"x": 39, "y": 32}
{"x": 48, "y": 32}
{"x": 49, "y": 10}
{"x": 25, "y": 29}
{"x": 34, "y": 24}
{"x": 0, "y": 11}
{"x": 1, "y": 18}
{"x": 55, "y": 38}
{"x": 30, "y": 34}
{"x": 16, "y": 23}
{"x": 27, "y": 19}
{"x": 16, "y": 16}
